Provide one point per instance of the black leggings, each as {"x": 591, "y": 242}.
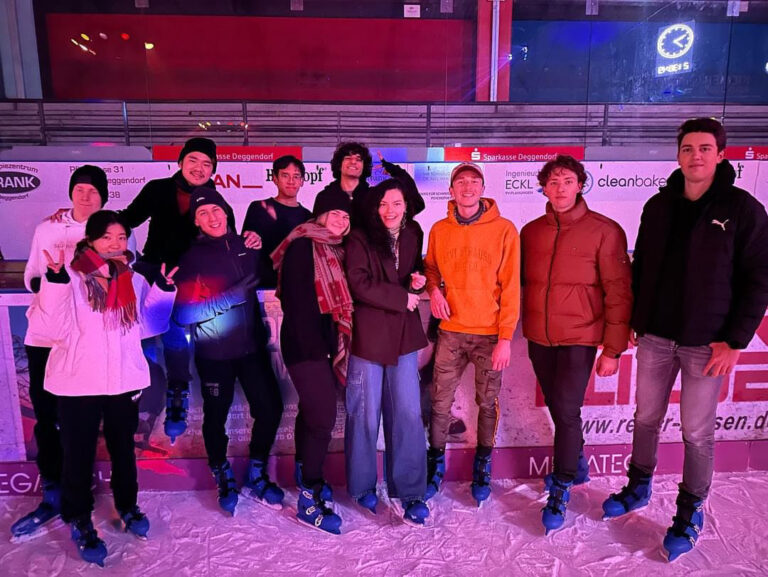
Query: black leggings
{"x": 217, "y": 381}
{"x": 315, "y": 383}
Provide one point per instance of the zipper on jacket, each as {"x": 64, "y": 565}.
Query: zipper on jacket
{"x": 549, "y": 281}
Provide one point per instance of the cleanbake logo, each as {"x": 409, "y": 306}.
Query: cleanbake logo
{"x": 17, "y": 181}
{"x": 633, "y": 181}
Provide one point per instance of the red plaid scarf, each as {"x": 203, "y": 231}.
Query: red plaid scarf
{"x": 333, "y": 296}
{"x": 110, "y": 286}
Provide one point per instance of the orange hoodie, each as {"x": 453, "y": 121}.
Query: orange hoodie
{"x": 480, "y": 266}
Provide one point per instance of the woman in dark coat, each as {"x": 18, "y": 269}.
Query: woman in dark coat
{"x": 314, "y": 340}
{"x": 384, "y": 267}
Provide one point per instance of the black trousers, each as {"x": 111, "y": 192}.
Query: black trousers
{"x": 217, "y": 381}
{"x": 315, "y": 383}
{"x": 563, "y": 374}
{"x": 44, "y": 405}
{"x": 80, "y": 418}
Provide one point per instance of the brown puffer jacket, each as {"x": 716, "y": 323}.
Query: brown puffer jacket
{"x": 576, "y": 280}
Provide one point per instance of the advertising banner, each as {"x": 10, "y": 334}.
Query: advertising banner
{"x": 31, "y": 191}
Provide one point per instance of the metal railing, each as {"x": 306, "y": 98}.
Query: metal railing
{"x": 43, "y": 122}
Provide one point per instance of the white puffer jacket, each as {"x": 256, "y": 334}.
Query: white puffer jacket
{"x": 86, "y": 357}
{"x": 53, "y": 237}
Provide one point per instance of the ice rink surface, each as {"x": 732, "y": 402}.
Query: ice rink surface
{"x": 191, "y": 537}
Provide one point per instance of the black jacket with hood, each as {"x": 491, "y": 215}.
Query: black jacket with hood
{"x": 217, "y": 296}
{"x": 170, "y": 231}
{"x": 725, "y": 290}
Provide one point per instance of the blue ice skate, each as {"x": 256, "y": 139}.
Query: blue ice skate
{"x": 415, "y": 513}
{"x": 42, "y": 519}
{"x": 582, "y": 474}
{"x": 312, "y": 510}
{"x": 481, "y": 479}
{"x": 225, "y": 481}
{"x": 176, "y": 407}
{"x": 634, "y": 495}
{"x": 686, "y": 527}
{"x": 298, "y": 474}
{"x": 435, "y": 472}
{"x": 553, "y": 513}
{"x": 369, "y": 501}
{"x": 260, "y": 488}
{"x": 91, "y": 548}
{"x": 136, "y": 522}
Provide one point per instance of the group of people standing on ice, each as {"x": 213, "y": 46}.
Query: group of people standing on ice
{"x": 349, "y": 276}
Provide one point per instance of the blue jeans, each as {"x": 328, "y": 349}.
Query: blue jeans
{"x": 659, "y": 360}
{"x": 373, "y": 388}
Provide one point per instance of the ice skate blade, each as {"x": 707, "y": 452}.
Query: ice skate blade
{"x": 262, "y": 502}
{"x": 42, "y": 530}
{"x": 553, "y": 530}
{"x": 409, "y": 522}
{"x": 609, "y": 517}
{"x": 304, "y": 523}
{"x": 671, "y": 557}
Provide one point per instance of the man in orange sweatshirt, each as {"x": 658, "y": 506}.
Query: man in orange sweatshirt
{"x": 473, "y": 281}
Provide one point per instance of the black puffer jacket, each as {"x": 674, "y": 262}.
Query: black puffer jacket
{"x": 170, "y": 231}
{"x": 217, "y": 296}
{"x": 726, "y": 277}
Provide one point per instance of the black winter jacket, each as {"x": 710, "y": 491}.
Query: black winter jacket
{"x": 358, "y": 195}
{"x": 383, "y": 328}
{"x": 170, "y": 231}
{"x": 726, "y": 278}
{"x": 306, "y": 334}
{"x": 217, "y": 296}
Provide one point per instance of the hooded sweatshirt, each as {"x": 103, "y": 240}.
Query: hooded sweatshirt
{"x": 479, "y": 265}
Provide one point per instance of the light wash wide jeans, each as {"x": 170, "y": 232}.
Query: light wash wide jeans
{"x": 372, "y": 390}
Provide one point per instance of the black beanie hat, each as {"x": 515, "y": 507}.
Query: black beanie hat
{"x": 93, "y": 175}
{"x": 331, "y": 201}
{"x": 202, "y": 195}
{"x": 199, "y": 144}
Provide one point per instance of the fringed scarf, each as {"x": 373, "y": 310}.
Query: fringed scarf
{"x": 110, "y": 286}
{"x": 333, "y": 296}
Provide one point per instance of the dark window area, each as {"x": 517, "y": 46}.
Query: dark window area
{"x": 674, "y": 61}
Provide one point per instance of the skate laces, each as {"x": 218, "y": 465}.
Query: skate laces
{"x": 558, "y": 497}
{"x": 482, "y": 474}
{"x": 263, "y": 483}
{"x": 627, "y": 491}
{"x": 226, "y": 482}
{"x": 177, "y": 407}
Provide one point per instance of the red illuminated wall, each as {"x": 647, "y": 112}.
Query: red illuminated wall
{"x": 216, "y": 57}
